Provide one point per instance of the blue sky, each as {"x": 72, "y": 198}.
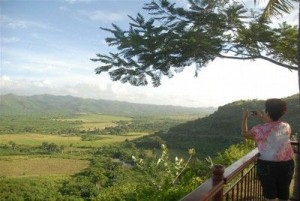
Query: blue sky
{"x": 46, "y": 46}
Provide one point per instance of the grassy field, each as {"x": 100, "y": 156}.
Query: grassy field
{"x": 14, "y": 166}
{"x": 99, "y": 121}
{"x": 98, "y": 117}
{"x": 61, "y": 164}
{"x": 76, "y": 141}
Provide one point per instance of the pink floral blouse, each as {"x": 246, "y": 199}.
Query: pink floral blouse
{"x": 273, "y": 141}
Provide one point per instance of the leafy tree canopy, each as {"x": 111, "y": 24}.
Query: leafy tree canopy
{"x": 174, "y": 38}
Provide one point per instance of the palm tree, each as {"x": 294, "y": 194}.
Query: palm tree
{"x": 278, "y": 8}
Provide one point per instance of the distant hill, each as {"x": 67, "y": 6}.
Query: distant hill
{"x": 217, "y": 131}
{"x": 50, "y": 104}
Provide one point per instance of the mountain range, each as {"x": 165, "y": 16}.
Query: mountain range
{"x": 50, "y": 104}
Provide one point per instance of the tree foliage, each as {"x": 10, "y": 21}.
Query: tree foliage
{"x": 276, "y": 8}
{"x": 174, "y": 38}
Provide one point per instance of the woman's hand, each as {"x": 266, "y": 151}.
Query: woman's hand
{"x": 245, "y": 114}
{"x": 245, "y": 132}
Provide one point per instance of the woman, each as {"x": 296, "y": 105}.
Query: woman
{"x": 275, "y": 166}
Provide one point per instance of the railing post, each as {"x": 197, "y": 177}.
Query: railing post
{"x": 218, "y": 176}
{"x": 297, "y": 172}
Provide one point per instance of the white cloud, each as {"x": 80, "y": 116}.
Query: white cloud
{"x": 9, "y": 39}
{"x": 20, "y": 24}
{"x": 42, "y": 64}
{"x": 80, "y": 86}
{"x": 100, "y": 15}
{"x": 36, "y": 36}
{"x": 222, "y": 82}
{"x": 5, "y": 63}
{"x": 63, "y": 8}
{"x": 23, "y": 85}
{"x": 79, "y": 1}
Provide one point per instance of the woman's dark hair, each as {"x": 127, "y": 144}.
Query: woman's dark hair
{"x": 275, "y": 108}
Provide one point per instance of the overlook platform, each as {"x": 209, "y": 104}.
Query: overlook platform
{"x": 239, "y": 182}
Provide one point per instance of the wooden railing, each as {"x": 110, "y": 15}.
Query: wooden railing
{"x": 238, "y": 181}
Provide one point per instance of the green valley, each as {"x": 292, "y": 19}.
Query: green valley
{"x": 59, "y": 151}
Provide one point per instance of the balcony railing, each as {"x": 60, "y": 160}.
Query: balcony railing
{"x": 238, "y": 181}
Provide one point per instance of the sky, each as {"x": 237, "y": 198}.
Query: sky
{"x": 46, "y": 47}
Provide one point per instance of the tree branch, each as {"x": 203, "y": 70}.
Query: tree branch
{"x": 279, "y": 64}
{"x": 260, "y": 57}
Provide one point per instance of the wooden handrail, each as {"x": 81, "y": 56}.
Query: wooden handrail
{"x": 237, "y": 167}
{"x": 209, "y": 189}
{"x": 204, "y": 192}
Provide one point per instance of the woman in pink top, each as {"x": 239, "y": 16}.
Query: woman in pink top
{"x": 275, "y": 166}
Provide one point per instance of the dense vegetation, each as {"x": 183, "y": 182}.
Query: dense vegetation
{"x": 222, "y": 128}
{"x": 71, "y": 156}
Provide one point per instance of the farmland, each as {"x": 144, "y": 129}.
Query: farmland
{"x": 99, "y": 121}
{"x": 44, "y": 157}
{"x": 75, "y": 141}
{"x": 74, "y": 152}
{"x": 16, "y": 166}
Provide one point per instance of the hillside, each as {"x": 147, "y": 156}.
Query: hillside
{"x": 217, "y": 131}
{"x": 39, "y": 104}
{"x": 210, "y": 134}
